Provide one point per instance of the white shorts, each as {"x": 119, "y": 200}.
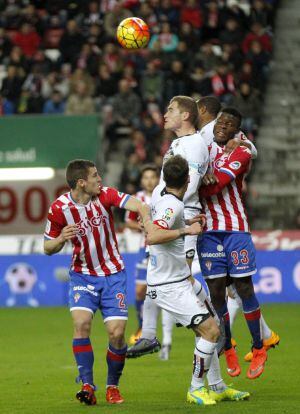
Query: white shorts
{"x": 180, "y": 301}
{"x": 190, "y": 246}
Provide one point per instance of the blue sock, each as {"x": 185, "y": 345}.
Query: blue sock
{"x": 115, "y": 359}
{"x": 223, "y": 315}
{"x": 139, "y": 311}
{"x": 252, "y": 314}
{"x": 84, "y": 356}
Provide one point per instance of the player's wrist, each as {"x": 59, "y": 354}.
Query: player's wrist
{"x": 182, "y": 232}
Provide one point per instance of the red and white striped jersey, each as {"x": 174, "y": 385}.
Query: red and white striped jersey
{"x": 132, "y": 216}
{"x": 222, "y": 202}
{"x": 95, "y": 248}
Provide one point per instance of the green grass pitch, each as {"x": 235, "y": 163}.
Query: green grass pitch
{"x": 38, "y": 371}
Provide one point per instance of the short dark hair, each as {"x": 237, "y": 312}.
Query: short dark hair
{"x": 76, "y": 170}
{"x": 150, "y": 167}
{"x": 187, "y": 104}
{"x": 211, "y": 103}
{"x": 176, "y": 172}
{"x": 234, "y": 112}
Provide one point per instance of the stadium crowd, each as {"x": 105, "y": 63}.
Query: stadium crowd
{"x": 62, "y": 57}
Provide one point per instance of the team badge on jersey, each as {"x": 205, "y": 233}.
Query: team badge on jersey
{"x": 235, "y": 165}
{"x": 169, "y": 212}
{"x": 208, "y": 264}
{"x": 76, "y": 297}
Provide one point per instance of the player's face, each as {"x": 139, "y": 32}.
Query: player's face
{"x": 173, "y": 117}
{"x": 93, "y": 182}
{"x": 225, "y": 128}
{"x": 149, "y": 181}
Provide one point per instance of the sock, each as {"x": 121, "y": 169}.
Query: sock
{"x": 167, "y": 327}
{"x": 214, "y": 377}
{"x": 265, "y": 330}
{"x": 203, "y": 353}
{"x": 224, "y": 316}
{"x": 84, "y": 356}
{"x": 150, "y": 314}
{"x": 252, "y": 314}
{"x": 115, "y": 359}
{"x": 233, "y": 308}
{"x": 139, "y": 311}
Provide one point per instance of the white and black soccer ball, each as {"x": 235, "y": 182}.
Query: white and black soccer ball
{"x": 21, "y": 277}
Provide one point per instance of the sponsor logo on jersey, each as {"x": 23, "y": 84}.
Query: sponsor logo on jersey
{"x": 90, "y": 287}
{"x": 235, "y": 165}
{"x": 169, "y": 212}
{"x": 208, "y": 264}
{"x": 84, "y": 289}
{"x": 76, "y": 297}
{"x": 86, "y": 224}
{"x": 220, "y": 248}
{"x": 213, "y": 255}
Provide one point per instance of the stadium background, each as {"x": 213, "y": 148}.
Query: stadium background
{"x": 65, "y": 91}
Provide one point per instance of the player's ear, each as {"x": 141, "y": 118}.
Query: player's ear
{"x": 185, "y": 116}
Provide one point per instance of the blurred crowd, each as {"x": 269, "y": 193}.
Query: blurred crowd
{"x": 62, "y": 57}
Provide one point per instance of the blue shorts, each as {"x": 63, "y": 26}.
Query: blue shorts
{"x": 226, "y": 253}
{"x": 107, "y": 293}
{"x": 141, "y": 267}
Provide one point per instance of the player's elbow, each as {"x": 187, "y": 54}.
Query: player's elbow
{"x": 47, "y": 250}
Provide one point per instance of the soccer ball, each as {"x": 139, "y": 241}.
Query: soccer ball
{"x": 133, "y": 33}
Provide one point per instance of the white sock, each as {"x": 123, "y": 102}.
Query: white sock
{"x": 167, "y": 327}
{"x": 265, "y": 330}
{"x": 150, "y": 314}
{"x": 233, "y": 308}
{"x": 214, "y": 378}
{"x": 203, "y": 353}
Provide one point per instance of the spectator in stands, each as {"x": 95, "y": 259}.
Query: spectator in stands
{"x": 96, "y": 37}
{"x": 55, "y": 104}
{"x": 206, "y": 57}
{"x": 199, "y": 82}
{"x": 82, "y": 75}
{"x": 93, "y": 15}
{"x": 176, "y": 82}
{"x": 114, "y": 17}
{"x": 248, "y": 103}
{"x": 12, "y": 84}
{"x": 126, "y": 105}
{"x": 166, "y": 12}
{"x": 261, "y": 12}
{"x": 5, "y": 44}
{"x": 105, "y": 84}
{"x": 138, "y": 145}
{"x": 151, "y": 83}
{"x": 259, "y": 60}
{"x": 188, "y": 35}
{"x": 6, "y": 107}
{"x": 17, "y": 58}
{"x": 232, "y": 34}
{"x": 27, "y": 39}
{"x": 150, "y": 129}
{"x": 211, "y": 21}
{"x": 87, "y": 59}
{"x": 191, "y": 13}
{"x": 166, "y": 38}
{"x": 223, "y": 83}
{"x": 258, "y": 33}
{"x": 131, "y": 173}
{"x": 71, "y": 42}
{"x": 80, "y": 102}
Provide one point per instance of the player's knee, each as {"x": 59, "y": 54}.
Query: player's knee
{"x": 244, "y": 287}
{"x": 213, "y": 332}
{"x": 116, "y": 337}
{"x": 82, "y": 327}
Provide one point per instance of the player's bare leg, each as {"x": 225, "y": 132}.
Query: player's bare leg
{"x": 84, "y": 356}
{"x": 115, "y": 359}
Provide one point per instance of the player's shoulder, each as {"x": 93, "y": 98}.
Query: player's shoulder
{"x": 241, "y": 151}
{"x": 61, "y": 203}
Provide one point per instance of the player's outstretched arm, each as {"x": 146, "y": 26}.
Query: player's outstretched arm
{"x": 159, "y": 235}
{"x": 55, "y": 245}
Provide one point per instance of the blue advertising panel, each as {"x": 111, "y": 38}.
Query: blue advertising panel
{"x": 37, "y": 280}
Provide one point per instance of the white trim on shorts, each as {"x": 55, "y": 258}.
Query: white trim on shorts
{"x": 111, "y": 318}
{"x": 215, "y": 276}
{"x": 81, "y": 308}
{"x": 243, "y": 274}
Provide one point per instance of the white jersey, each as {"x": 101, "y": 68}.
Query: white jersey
{"x": 167, "y": 262}
{"x": 207, "y": 133}
{"x": 194, "y": 150}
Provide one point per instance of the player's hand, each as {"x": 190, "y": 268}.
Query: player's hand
{"x": 68, "y": 232}
{"x": 199, "y": 218}
{"x": 209, "y": 179}
{"x": 232, "y": 144}
{"x": 141, "y": 224}
{"x": 194, "y": 229}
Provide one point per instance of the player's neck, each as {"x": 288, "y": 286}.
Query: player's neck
{"x": 206, "y": 121}
{"x": 179, "y": 193}
{"x": 80, "y": 197}
{"x": 185, "y": 130}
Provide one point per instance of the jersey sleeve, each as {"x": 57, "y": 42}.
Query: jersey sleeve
{"x": 165, "y": 215}
{"x": 111, "y": 197}
{"x": 55, "y": 222}
{"x": 242, "y": 137}
{"x": 236, "y": 164}
{"x": 197, "y": 159}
